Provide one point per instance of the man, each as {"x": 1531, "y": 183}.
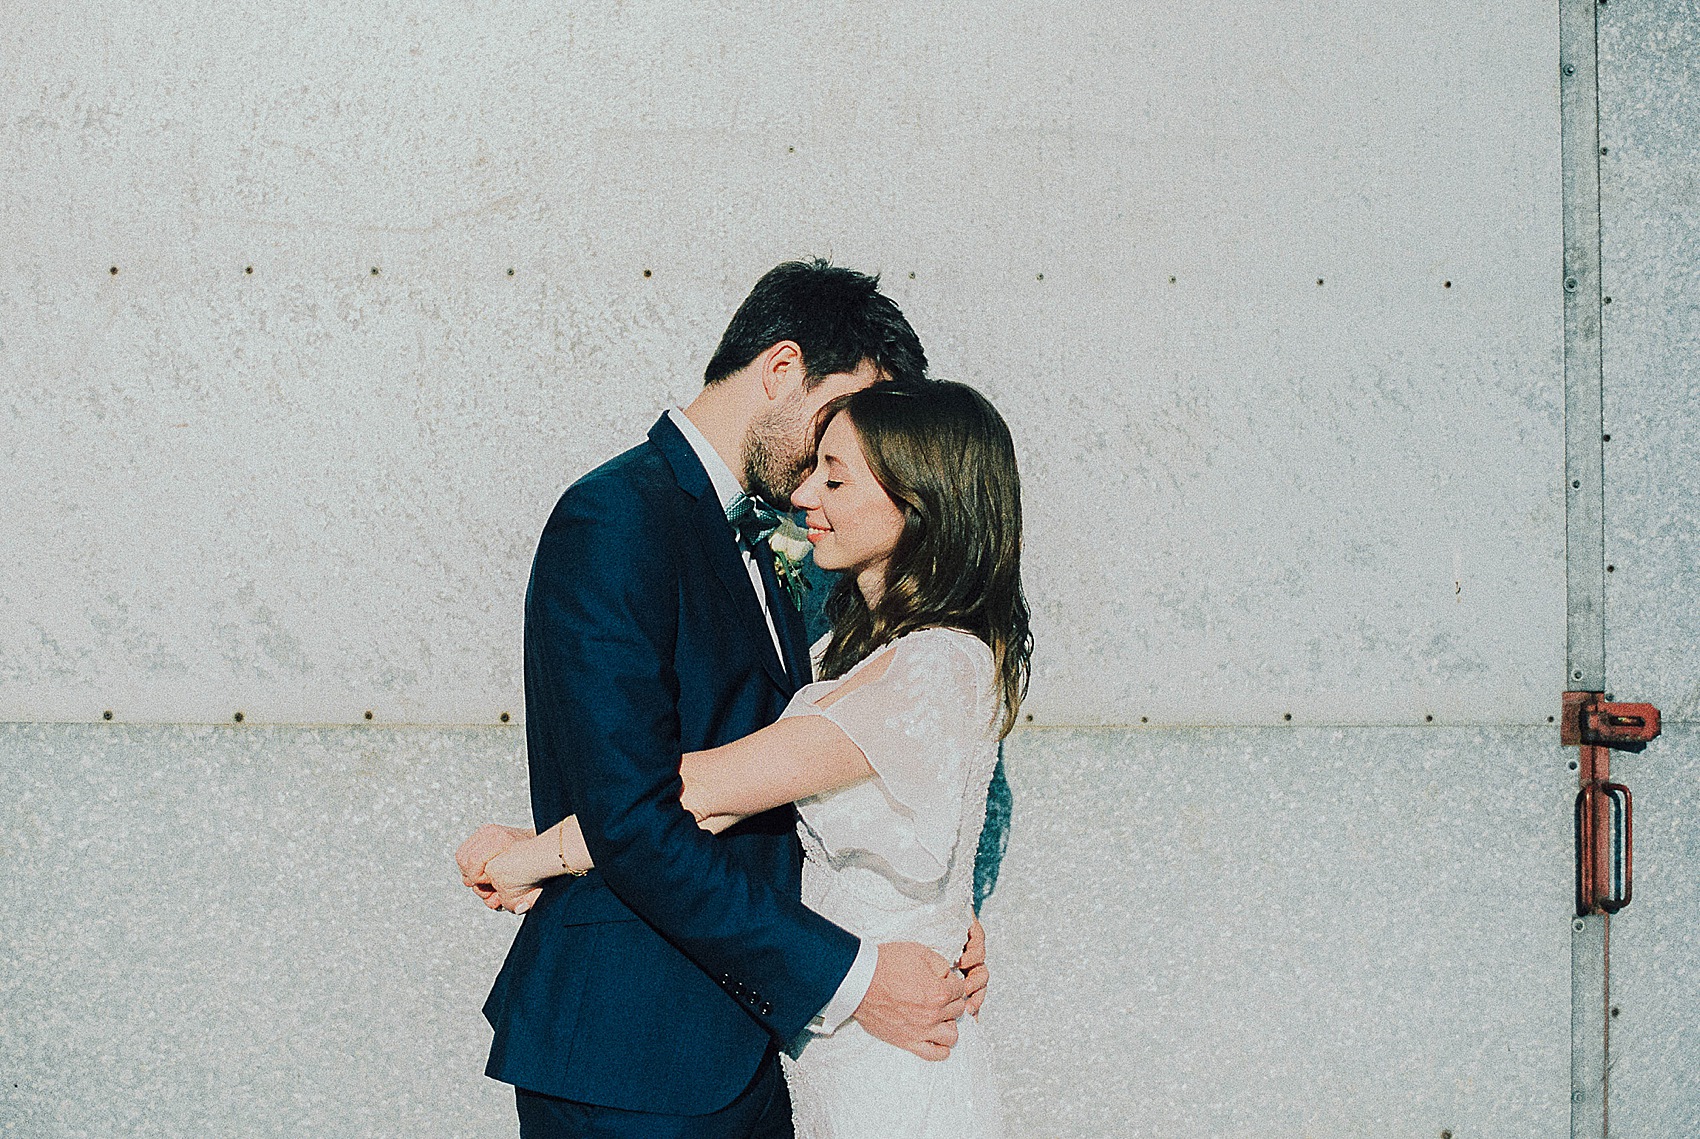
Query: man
{"x": 647, "y": 998}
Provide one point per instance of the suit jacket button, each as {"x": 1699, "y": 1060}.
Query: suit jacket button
{"x": 767, "y": 1008}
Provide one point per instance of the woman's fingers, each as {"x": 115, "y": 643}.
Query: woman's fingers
{"x": 480, "y": 846}
{"x": 518, "y": 903}
{"x": 475, "y": 857}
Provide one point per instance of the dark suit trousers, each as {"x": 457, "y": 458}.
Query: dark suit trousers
{"x": 761, "y": 1111}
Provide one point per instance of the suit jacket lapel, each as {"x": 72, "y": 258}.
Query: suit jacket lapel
{"x": 720, "y": 546}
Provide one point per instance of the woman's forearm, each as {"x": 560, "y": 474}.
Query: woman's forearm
{"x": 790, "y": 760}
{"x": 558, "y": 851}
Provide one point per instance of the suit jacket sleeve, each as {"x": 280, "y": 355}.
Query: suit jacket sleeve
{"x": 602, "y": 701}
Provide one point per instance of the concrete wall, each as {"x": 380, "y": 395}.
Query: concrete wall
{"x": 1268, "y": 294}
{"x": 309, "y": 491}
{"x": 248, "y": 933}
{"x": 1650, "y": 250}
{"x": 1217, "y": 932}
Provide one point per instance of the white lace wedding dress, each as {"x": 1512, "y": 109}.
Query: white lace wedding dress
{"x": 892, "y": 859}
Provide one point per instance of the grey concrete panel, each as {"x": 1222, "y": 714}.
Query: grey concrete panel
{"x": 1650, "y": 240}
{"x": 241, "y": 931}
{"x": 1655, "y": 948}
{"x": 1254, "y": 932}
{"x": 248, "y": 932}
{"x": 1267, "y": 294}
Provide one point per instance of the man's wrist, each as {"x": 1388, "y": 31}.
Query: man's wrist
{"x": 851, "y": 991}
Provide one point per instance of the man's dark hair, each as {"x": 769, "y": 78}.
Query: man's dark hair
{"x": 837, "y": 316}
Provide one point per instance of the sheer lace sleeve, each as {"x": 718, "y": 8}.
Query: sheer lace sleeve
{"x": 924, "y": 727}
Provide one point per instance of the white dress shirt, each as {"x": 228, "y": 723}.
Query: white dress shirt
{"x": 855, "y": 985}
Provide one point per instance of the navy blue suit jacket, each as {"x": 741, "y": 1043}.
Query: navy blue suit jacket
{"x": 656, "y": 982}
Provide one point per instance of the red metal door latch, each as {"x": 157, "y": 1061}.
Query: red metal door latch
{"x": 1605, "y": 811}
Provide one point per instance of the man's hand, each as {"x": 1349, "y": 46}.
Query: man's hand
{"x": 972, "y": 964}
{"x": 475, "y": 853}
{"x": 914, "y": 1000}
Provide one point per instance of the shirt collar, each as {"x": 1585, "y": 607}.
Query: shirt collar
{"x": 720, "y": 476}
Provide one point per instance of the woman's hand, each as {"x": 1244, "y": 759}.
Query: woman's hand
{"x": 516, "y": 875}
{"x": 507, "y": 866}
{"x": 475, "y": 854}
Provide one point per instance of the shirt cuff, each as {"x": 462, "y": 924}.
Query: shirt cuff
{"x": 851, "y": 990}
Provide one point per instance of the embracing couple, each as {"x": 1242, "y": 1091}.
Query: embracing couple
{"x": 749, "y": 898}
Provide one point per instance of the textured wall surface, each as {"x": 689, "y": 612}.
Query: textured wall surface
{"x": 248, "y": 931}
{"x": 1650, "y": 244}
{"x": 309, "y": 311}
{"x": 1267, "y": 296}
{"x": 1253, "y": 932}
{"x": 1655, "y": 948}
{"x": 1221, "y": 932}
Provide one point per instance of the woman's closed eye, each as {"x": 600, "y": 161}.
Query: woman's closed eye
{"x": 834, "y": 484}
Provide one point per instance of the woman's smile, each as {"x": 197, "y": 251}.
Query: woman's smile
{"x": 852, "y": 521}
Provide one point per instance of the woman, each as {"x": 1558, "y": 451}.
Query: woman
{"x": 915, "y": 498}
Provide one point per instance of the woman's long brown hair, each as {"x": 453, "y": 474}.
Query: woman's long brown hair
{"x": 944, "y": 455}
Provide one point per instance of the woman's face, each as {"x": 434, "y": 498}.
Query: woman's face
{"x": 853, "y": 523}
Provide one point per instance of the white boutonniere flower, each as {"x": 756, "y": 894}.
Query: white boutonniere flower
{"x": 791, "y": 548}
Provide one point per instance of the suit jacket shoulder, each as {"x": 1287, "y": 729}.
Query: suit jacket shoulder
{"x": 630, "y": 490}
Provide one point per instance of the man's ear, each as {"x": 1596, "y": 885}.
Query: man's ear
{"x": 781, "y": 368}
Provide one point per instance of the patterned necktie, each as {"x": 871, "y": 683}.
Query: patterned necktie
{"x": 753, "y": 519}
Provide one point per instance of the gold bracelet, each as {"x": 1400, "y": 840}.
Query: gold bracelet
{"x": 561, "y": 850}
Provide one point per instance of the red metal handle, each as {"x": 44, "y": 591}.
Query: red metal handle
{"x": 1587, "y": 719}
{"x": 1617, "y": 725}
{"x": 1605, "y": 879}
{"x": 1605, "y": 811}
{"x": 1623, "y": 850}
{"x": 1585, "y": 861}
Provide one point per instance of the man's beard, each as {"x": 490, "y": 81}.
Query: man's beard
{"x": 776, "y": 456}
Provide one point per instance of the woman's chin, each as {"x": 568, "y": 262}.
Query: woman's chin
{"x": 827, "y": 558}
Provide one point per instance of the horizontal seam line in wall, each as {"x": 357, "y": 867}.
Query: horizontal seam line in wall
{"x": 1053, "y": 725}
{"x": 368, "y": 725}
